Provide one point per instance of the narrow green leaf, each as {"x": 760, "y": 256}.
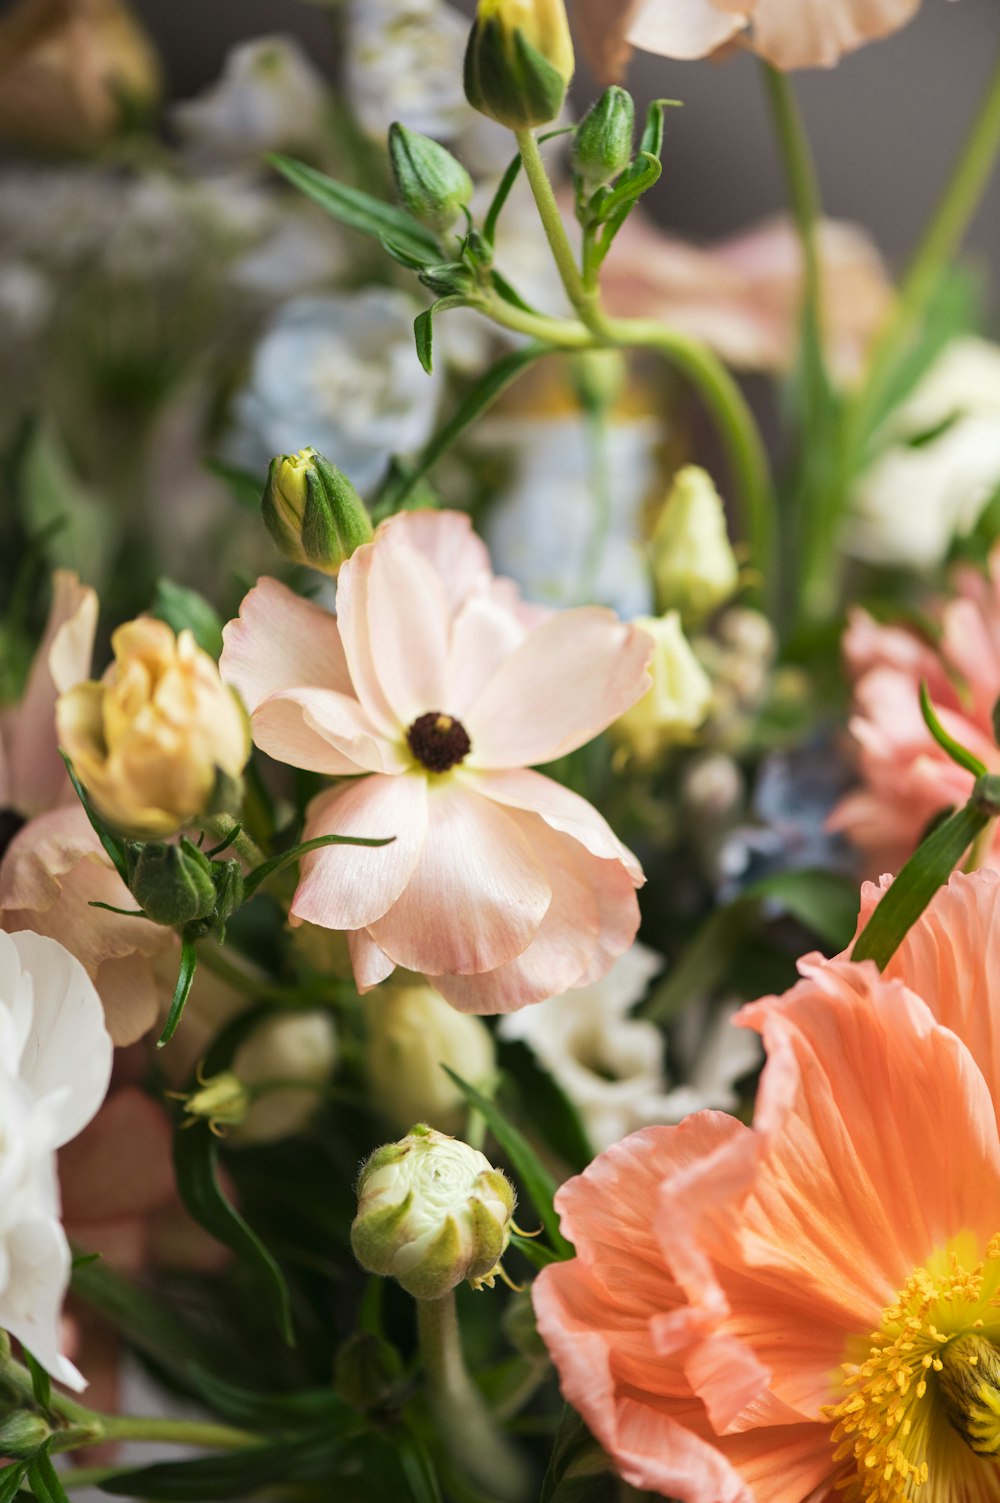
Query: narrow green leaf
{"x": 113, "y": 847}
{"x": 185, "y": 609}
{"x": 477, "y": 399}
{"x": 927, "y": 869}
{"x": 185, "y": 976}
{"x": 41, "y": 1383}
{"x": 578, "y": 1468}
{"x": 44, "y": 1480}
{"x": 359, "y": 210}
{"x": 196, "y": 1167}
{"x": 423, "y": 334}
{"x": 11, "y": 1478}
{"x": 553, "y": 1114}
{"x": 702, "y": 966}
{"x": 284, "y": 858}
{"x": 821, "y": 901}
{"x": 270, "y": 1412}
{"x": 956, "y": 751}
{"x": 500, "y": 198}
{"x": 418, "y": 1468}
{"x": 636, "y": 180}
{"x": 246, "y": 489}
{"x": 508, "y": 293}
{"x": 538, "y": 1254}
{"x": 535, "y": 1178}
{"x": 652, "y": 136}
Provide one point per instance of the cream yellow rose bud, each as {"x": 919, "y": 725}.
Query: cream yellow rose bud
{"x": 431, "y": 1212}
{"x": 412, "y": 1032}
{"x": 519, "y": 61}
{"x": 676, "y": 704}
{"x": 159, "y": 737}
{"x": 694, "y": 568}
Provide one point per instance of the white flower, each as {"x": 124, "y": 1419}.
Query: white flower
{"x": 337, "y": 373}
{"x": 938, "y": 465}
{"x": 55, "y": 1065}
{"x": 269, "y": 97}
{"x": 404, "y": 62}
{"x": 612, "y": 1066}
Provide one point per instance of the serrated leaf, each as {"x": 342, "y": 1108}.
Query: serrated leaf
{"x": 184, "y": 609}
{"x": 534, "y": 1178}
{"x": 196, "y": 1168}
{"x": 360, "y": 211}
{"x": 913, "y": 888}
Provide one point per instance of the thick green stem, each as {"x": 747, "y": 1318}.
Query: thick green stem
{"x": 178, "y": 1432}
{"x": 473, "y": 1442}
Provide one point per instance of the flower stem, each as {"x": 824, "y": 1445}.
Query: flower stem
{"x": 179, "y": 1432}
{"x": 552, "y": 223}
{"x": 471, "y": 1438}
{"x": 222, "y": 827}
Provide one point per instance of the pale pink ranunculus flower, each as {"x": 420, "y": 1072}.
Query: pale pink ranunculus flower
{"x": 907, "y": 779}
{"x": 788, "y": 33}
{"x": 742, "y": 296}
{"x": 771, "y": 1314}
{"x": 432, "y": 691}
{"x": 52, "y": 865}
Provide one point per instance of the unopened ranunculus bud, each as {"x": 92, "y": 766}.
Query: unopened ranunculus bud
{"x": 285, "y": 1063}
{"x": 431, "y": 1212}
{"x": 603, "y": 144}
{"x": 676, "y": 704}
{"x": 694, "y": 568}
{"x": 367, "y": 1372}
{"x": 412, "y": 1032}
{"x": 519, "y": 61}
{"x": 153, "y": 741}
{"x": 430, "y": 182}
{"x": 313, "y": 512}
{"x": 171, "y": 883}
{"x": 23, "y": 1433}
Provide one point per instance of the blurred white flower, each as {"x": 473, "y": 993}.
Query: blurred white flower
{"x": 337, "y": 373}
{"x": 938, "y": 465}
{"x": 404, "y": 62}
{"x": 269, "y": 97}
{"x": 613, "y": 1067}
{"x": 299, "y": 1049}
{"x": 412, "y": 1032}
{"x": 55, "y": 1065}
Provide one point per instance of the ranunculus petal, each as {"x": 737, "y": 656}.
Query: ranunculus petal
{"x": 686, "y": 28}
{"x": 348, "y": 886}
{"x": 371, "y": 965}
{"x": 281, "y": 641}
{"x": 321, "y": 730}
{"x": 447, "y": 541}
{"x": 571, "y": 677}
{"x": 817, "y": 33}
{"x": 561, "y": 808}
{"x": 478, "y": 894}
{"x": 407, "y": 630}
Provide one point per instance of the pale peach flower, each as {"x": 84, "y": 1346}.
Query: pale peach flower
{"x": 907, "y": 780}
{"x": 742, "y": 296}
{"x": 787, "y": 33}
{"x": 772, "y": 1314}
{"x": 435, "y": 680}
{"x": 52, "y": 865}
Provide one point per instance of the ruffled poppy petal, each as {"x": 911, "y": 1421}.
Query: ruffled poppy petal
{"x": 280, "y": 641}
{"x": 570, "y": 678}
{"x": 349, "y": 886}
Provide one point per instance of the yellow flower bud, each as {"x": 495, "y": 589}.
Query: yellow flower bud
{"x": 676, "y": 704}
{"x": 412, "y": 1032}
{"x": 158, "y": 737}
{"x": 519, "y": 61}
{"x": 694, "y": 567}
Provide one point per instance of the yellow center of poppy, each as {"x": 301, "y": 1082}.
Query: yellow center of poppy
{"x": 923, "y": 1401}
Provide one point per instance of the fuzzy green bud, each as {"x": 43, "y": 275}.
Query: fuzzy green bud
{"x": 367, "y": 1372}
{"x": 22, "y": 1433}
{"x": 519, "y": 61}
{"x": 694, "y": 567}
{"x": 431, "y": 1212}
{"x": 313, "y": 512}
{"x": 430, "y": 182}
{"x": 603, "y": 145}
{"x": 171, "y": 883}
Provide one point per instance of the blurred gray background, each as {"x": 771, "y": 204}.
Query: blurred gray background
{"x": 885, "y": 124}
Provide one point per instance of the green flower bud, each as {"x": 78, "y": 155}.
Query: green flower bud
{"x": 412, "y": 1032}
{"x": 431, "y": 1212}
{"x": 228, "y": 879}
{"x": 172, "y": 883}
{"x": 694, "y": 567}
{"x": 519, "y": 61}
{"x": 367, "y": 1371}
{"x": 430, "y": 182}
{"x": 313, "y": 512}
{"x": 23, "y": 1433}
{"x": 603, "y": 145}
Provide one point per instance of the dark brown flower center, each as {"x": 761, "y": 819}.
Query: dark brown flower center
{"x": 11, "y": 823}
{"x": 438, "y": 741}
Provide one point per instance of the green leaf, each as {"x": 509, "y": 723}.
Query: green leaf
{"x": 927, "y": 869}
{"x": 477, "y": 399}
{"x": 196, "y": 1167}
{"x": 538, "y": 1254}
{"x": 44, "y": 1480}
{"x": 418, "y": 1468}
{"x": 237, "y": 1474}
{"x": 552, "y": 1113}
{"x": 821, "y": 901}
{"x": 182, "y": 990}
{"x": 636, "y": 180}
{"x": 423, "y": 329}
{"x": 578, "y": 1470}
{"x": 112, "y": 846}
{"x": 500, "y": 197}
{"x": 535, "y": 1178}
{"x": 284, "y": 858}
{"x": 360, "y": 211}
{"x": 246, "y": 488}
{"x": 41, "y": 1383}
{"x": 11, "y": 1478}
{"x": 145, "y": 1321}
{"x": 269, "y": 1412}
{"x": 954, "y": 749}
{"x": 652, "y": 135}
{"x": 185, "y": 609}
{"x": 703, "y": 964}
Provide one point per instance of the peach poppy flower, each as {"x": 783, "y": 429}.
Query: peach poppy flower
{"x": 806, "y": 1309}
{"x": 441, "y": 685}
{"x": 52, "y": 865}
{"x": 907, "y": 780}
{"x": 787, "y": 33}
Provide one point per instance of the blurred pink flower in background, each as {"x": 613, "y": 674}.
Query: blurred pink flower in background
{"x": 742, "y": 295}
{"x": 752, "y": 1312}
{"x": 52, "y": 865}
{"x": 435, "y": 679}
{"x": 907, "y": 779}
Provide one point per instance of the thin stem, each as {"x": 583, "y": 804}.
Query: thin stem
{"x": 595, "y": 423}
{"x": 552, "y": 222}
{"x": 223, "y": 826}
{"x": 177, "y": 1431}
{"x": 472, "y": 1440}
{"x": 803, "y": 187}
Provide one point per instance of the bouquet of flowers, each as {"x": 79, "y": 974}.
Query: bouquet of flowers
{"x": 498, "y": 861}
